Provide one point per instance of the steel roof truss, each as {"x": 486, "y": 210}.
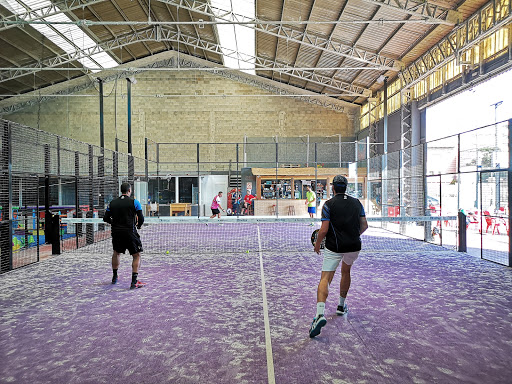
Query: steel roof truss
{"x": 291, "y": 34}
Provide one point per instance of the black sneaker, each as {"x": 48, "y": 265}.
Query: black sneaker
{"x": 342, "y": 310}
{"x": 316, "y": 325}
{"x": 114, "y": 279}
{"x": 137, "y": 284}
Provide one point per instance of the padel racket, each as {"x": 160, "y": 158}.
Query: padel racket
{"x": 314, "y": 235}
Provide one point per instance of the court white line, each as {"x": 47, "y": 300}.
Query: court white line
{"x": 268, "y": 341}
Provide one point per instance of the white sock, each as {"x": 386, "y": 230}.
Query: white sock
{"x": 320, "y": 308}
{"x": 342, "y": 301}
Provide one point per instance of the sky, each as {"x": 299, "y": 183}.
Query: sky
{"x": 472, "y": 108}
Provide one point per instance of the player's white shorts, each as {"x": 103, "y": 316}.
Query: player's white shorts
{"x": 333, "y": 259}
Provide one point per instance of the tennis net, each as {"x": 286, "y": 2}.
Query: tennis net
{"x": 253, "y": 234}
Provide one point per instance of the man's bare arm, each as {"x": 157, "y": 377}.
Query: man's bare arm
{"x": 363, "y": 224}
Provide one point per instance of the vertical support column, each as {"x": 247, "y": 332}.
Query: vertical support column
{"x": 277, "y": 174}
{"x": 368, "y": 187}
{"x": 101, "y": 187}
{"x": 373, "y": 134}
{"x": 238, "y": 179}
{"x": 90, "y": 192}
{"x": 47, "y": 214}
{"x": 199, "y": 179}
{"x": 307, "y": 153}
{"x": 245, "y": 151}
{"x": 177, "y": 190}
{"x": 385, "y": 153}
{"x": 339, "y": 150}
{"x": 37, "y": 219}
{"x": 146, "y": 162}
{"x": 78, "y": 227}
{"x": 316, "y": 172}
{"x": 131, "y": 170}
{"x": 129, "y": 91}
{"x": 102, "y": 126}
{"x": 115, "y": 172}
{"x": 406, "y": 181}
{"x": 158, "y": 176}
{"x": 427, "y": 229}
{"x": 356, "y": 185}
{"x": 458, "y": 172}
{"x": 6, "y": 198}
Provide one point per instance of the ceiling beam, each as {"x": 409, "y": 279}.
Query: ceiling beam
{"x": 464, "y": 37}
{"x": 63, "y": 6}
{"x": 290, "y": 34}
{"x": 428, "y": 12}
{"x": 165, "y": 34}
{"x": 170, "y": 59}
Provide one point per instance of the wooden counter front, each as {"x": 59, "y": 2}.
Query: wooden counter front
{"x": 286, "y": 207}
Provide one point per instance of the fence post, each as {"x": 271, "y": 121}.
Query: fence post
{"x": 509, "y": 179}
{"x": 6, "y": 199}
{"x": 199, "y": 183}
{"x": 47, "y": 215}
{"x": 89, "y": 231}
{"x": 277, "y": 182}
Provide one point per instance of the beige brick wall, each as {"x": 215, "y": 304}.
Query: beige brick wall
{"x": 182, "y": 119}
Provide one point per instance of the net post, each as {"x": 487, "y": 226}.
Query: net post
{"x": 55, "y": 234}
{"x": 462, "y": 232}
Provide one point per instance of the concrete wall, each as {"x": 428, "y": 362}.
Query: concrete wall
{"x": 165, "y": 110}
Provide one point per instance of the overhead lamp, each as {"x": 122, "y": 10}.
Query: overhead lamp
{"x": 381, "y": 79}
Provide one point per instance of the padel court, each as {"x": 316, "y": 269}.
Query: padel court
{"x": 240, "y": 313}
{"x": 234, "y": 124}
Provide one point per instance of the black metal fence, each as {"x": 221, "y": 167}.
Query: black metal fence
{"x": 43, "y": 176}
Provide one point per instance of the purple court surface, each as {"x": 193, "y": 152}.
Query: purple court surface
{"x": 428, "y": 315}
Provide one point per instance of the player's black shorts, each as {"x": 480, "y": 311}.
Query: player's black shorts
{"x": 215, "y": 211}
{"x": 126, "y": 240}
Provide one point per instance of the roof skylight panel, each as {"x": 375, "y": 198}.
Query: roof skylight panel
{"x": 68, "y": 37}
{"x": 236, "y": 37}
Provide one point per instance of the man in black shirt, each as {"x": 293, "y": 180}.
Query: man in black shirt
{"x": 124, "y": 214}
{"x": 343, "y": 221}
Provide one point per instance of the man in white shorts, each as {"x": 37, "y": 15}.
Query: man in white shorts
{"x": 343, "y": 221}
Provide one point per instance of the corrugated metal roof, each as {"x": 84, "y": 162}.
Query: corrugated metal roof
{"x": 362, "y": 25}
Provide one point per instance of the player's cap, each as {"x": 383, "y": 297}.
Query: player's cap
{"x": 340, "y": 180}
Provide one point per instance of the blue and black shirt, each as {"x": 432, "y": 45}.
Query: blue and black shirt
{"x": 344, "y": 213}
{"x": 122, "y": 213}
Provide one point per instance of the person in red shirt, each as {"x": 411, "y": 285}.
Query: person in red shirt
{"x": 248, "y": 201}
